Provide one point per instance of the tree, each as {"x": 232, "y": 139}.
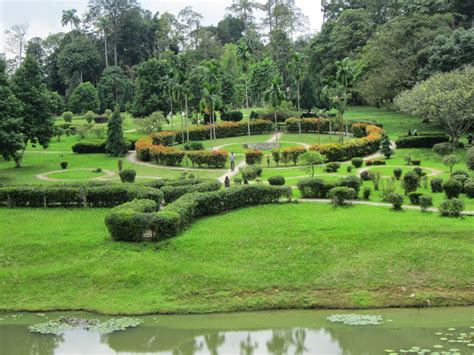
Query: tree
{"x": 189, "y": 23}
{"x": 447, "y": 98}
{"x": 11, "y": 138}
{"x": 261, "y": 76}
{"x": 84, "y": 98}
{"x": 274, "y": 97}
{"x": 37, "y": 124}
{"x": 243, "y": 9}
{"x": 80, "y": 57}
{"x": 114, "y": 88}
{"x": 57, "y": 103}
{"x": 311, "y": 159}
{"x": 34, "y": 47}
{"x": 116, "y": 144}
{"x": 15, "y": 39}
{"x": 152, "y": 123}
{"x": 229, "y": 30}
{"x": 209, "y": 101}
{"x": 70, "y": 18}
{"x": 104, "y": 26}
{"x": 245, "y": 58}
{"x": 450, "y": 161}
{"x": 297, "y": 68}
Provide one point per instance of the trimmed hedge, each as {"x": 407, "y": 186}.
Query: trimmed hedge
{"x": 96, "y": 146}
{"x": 211, "y": 158}
{"x": 253, "y": 156}
{"x": 421, "y": 141}
{"x": 314, "y": 188}
{"x": 172, "y": 193}
{"x": 232, "y": 116}
{"x": 76, "y": 196}
{"x": 137, "y": 221}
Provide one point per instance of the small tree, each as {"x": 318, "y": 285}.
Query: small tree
{"x": 470, "y": 158}
{"x": 116, "y": 144}
{"x": 450, "y": 161}
{"x": 274, "y": 97}
{"x": 386, "y": 147}
{"x": 311, "y": 159}
{"x": 84, "y": 98}
{"x": 152, "y": 123}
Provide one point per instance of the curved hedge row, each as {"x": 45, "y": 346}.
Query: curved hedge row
{"x": 77, "y": 196}
{"x": 138, "y": 220}
{"x": 172, "y": 193}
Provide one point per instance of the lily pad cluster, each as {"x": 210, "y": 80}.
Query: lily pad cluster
{"x": 63, "y": 324}
{"x": 355, "y": 319}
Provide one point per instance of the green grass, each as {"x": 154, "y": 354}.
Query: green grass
{"x": 77, "y": 174}
{"x": 285, "y": 256}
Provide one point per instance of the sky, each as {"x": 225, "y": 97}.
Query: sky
{"x": 44, "y": 16}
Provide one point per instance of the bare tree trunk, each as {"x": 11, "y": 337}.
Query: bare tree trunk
{"x": 276, "y": 127}
{"x": 298, "y": 94}
{"x": 246, "y": 92}
{"x": 115, "y": 54}
{"x": 105, "y": 49}
{"x": 186, "y": 112}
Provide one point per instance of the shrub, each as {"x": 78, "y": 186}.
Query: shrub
{"x": 470, "y": 158}
{"x": 84, "y": 98}
{"x": 462, "y": 173}
{"x": 167, "y": 155}
{"x": 116, "y": 144}
{"x": 132, "y": 222}
{"x": 232, "y": 116}
{"x": 189, "y": 146}
{"x": 89, "y": 147}
{"x": 276, "y": 156}
{"x": 101, "y": 119}
{"x": 436, "y": 185}
{"x": 172, "y": 193}
{"x": 332, "y": 167}
{"x": 469, "y": 188}
{"x": 451, "y": 207}
{"x": 67, "y": 116}
{"x": 238, "y": 180}
{"x": 452, "y": 188}
{"x": 366, "y": 192}
{"x": 251, "y": 172}
{"x": 107, "y": 113}
{"x": 397, "y": 172}
{"x": 127, "y": 175}
{"x": 365, "y": 175}
{"x": 410, "y": 182}
{"x": 357, "y": 162}
{"x": 211, "y": 158}
{"x": 120, "y": 164}
{"x": 89, "y": 116}
{"x": 375, "y": 162}
{"x": 276, "y": 180}
{"x": 314, "y": 188}
{"x": 425, "y": 202}
{"x": 421, "y": 141}
{"x": 419, "y": 172}
{"x": 63, "y": 164}
{"x": 450, "y": 160}
{"x": 294, "y": 153}
{"x": 396, "y": 200}
{"x": 351, "y": 181}
{"x": 253, "y": 156}
{"x": 443, "y": 148}
{"x": 339, "y": 195}
{"x": 416, "y": 162}
{"x": 349, "y": 168}
{"x": 414, "y": 197}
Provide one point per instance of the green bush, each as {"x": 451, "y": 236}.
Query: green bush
{"x": 414, "y": 197}
{"x": 452, "y": 188}
{"x": 276, "y": 180}
{"x": 332, "y": 167}
{"x": 127, "y": 175}
{"x": 136, "y": 221}
{"x": 421, "y": 141}
{"x": 375, "y": 162}
{"x": 469, "y": 188}
{"x": 352, "y": 182}
{"x": 339, "y": 195}
{"x": 63, "y": 164}
{"x": 365, "y": 175}
{"x": 425, "y": 202}
{"x": 232, "y": 116}
{"x": 416, "y": 162}
{"x": 314, "y": 188}
{"x": 357, "y": 162}
{"x": 238, "y": 180}
{"x": 251, "y": 172}
{"x": 253, "y": 156}
{"x": 172, "y": 193}
{"x": 366, "y": 192}
{"x": 451, "y": 207}
{"x": 67, "y": 116}
{"x": 397, "y": 173}
{"x": 419, "y": 172}
{"x": 349, "y": 168}
{"x": 193, "y": 146}
{"x": 92, "y": 146}
{"x": 443, "y": 148}
{"x": 211, "y": 158}
{"x": 470, "y": 158}
{"x": 410, "y": 182}
{"x": 436, "y": 185}
{"x": 89, "y": 116}
{"x": 396, "y": 200}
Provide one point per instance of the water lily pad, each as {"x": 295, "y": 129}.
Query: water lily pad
{"x": 356, "y": 319}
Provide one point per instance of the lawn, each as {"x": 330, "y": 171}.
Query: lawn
{"x": 278, "y": 256}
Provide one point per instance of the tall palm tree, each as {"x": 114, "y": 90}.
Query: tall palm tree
{"x": 273, "y": 97}
{"x": 104, "y": 25}
{"x": 209, "y": 101}
{"x": 70, "y": 18}
{"x": 245, "y": 57}
{"x": 297, "y": 69}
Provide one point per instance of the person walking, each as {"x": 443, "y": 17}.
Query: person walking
{"x": 232, "y": 161}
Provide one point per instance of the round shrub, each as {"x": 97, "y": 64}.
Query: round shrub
{"x": 452, "y": 188}
{"x": 67, "y": 116}
{"x": 414, "y": 197}
{"x": 443, "y": 148}
{"x": 89, "y": 116}
{"x": 469, "y": 188}
{"x": 349, "y": 168}
{"x": 366, "y": 192}
{"x": 357, "y": 162}
{"x": 108, "y": 112}
{"x": 188, "y": 146}
{"x": 351, "y": 181}
{"x": 397, "y": 173}
{"x": 451, "y": 208}
{"x": 63, "y": 164}
{"x": 470, "y": 158}
{"x": 127, "y": 175}
{"x": 460, "y": 173}
{"x": 410, "y": 182}
{"x": 436, "y": 185}
{"x": 314, "y": 188}
{"x": 425, "y": 202}
{"x": 232, "y": 116}
{"x": 396, "y": 200}
{"x": 416, "y": 162}
{"x": 339, "y": 195}
{"x": 365, "y": 175}
{"x": 332, "y": 167}
{"x": 253, "y": 156}
{"x": 251, "y": 172}
{"x": 276, "y": 180}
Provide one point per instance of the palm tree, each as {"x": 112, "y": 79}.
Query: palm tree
{"x": 70, "y": 17}
{"x": 296, "y": 67}
{"x": 104, "y": 25}
{"x": 273, "y": 97}
{"x": 209, "y": 101}
{"x": 245, "y": 58}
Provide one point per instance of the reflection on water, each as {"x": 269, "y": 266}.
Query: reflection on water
{"x": 289, "y": 332}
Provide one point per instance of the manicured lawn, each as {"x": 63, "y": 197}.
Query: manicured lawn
{"x": 76, "y": 174}
{"x": 286, "y": 256}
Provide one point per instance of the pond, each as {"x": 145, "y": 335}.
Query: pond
{"x": 437, "y": 331}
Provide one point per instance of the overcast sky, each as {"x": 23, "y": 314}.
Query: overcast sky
{"x": 44, "y": 16}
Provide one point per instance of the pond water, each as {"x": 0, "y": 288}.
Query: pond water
{"x": 439, "y": 331}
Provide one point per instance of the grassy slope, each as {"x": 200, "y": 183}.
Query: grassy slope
{"x": 310, "y": 256}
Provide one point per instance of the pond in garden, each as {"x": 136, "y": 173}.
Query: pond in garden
{"x": 438, "y": 331}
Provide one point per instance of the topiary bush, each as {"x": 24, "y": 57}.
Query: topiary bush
{"x": 276, "y": 180}
{"x": 421, "y": 141}
{"x": 191, "y": 146}
{"x": 232, "y": 116}
{"x": 436, "y": 185}
{"x": 127, "y": 175}
{"x": 414, "y": 197}
{"x": 67, "y": 116}
{"x": 365, "y": 175}
{"x": 352, "y": 182}
{"x": 470, "y": 158}
{"x": 314, "y": 188}
{"x": 89, "y": 116}
{"x": 451, "y": 207}
{"x": 443, "y": 148}
{"x": 396, "y": 200}
{"x": 375, "y": 162}
{"x": 397, "y": 173}
{"x": 357, "y": 162}
{"x": 172, "y": 193}
{"x": 416, "y": 162}
{"x": 366, "y": 192}
{"x": 425, "y": 202}
{"x": 469, "y": 188}
{"x": 253, "y": 157}
{"x": 340, "y": 195}
{"x": 63, "y": 164}
{"x": 332, "y": 167}
{"x": 91, "y": 146}
{"x": 410, "y": 182}
{"x": 452, "y": 188}
{"x": 251, "y": 172}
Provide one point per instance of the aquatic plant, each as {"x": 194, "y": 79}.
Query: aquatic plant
{"x": 63, "y": 324}
{"x": 355, "y": 319}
